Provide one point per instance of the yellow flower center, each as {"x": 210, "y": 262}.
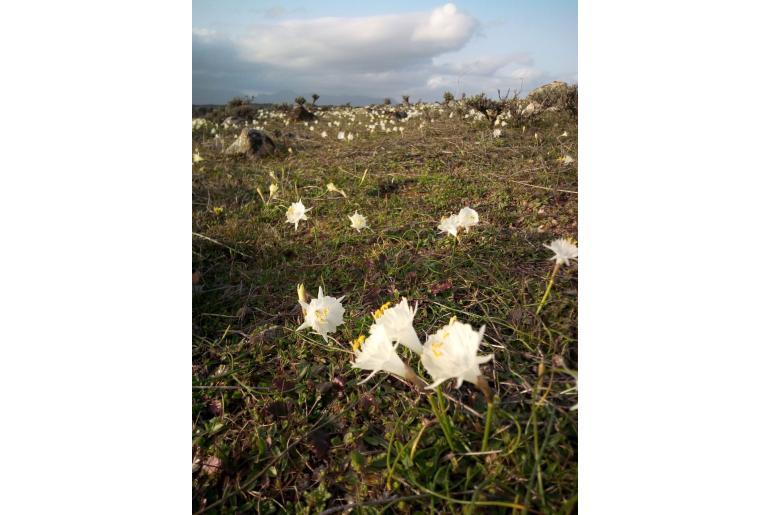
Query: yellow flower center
{"x": 377, "y": 314}
{"x": 357, "y": 342}
{"x": 321, "y": 314}
{"x": 435, "y": 348}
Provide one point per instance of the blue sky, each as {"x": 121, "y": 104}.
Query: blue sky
{"x": 353, "y": 49}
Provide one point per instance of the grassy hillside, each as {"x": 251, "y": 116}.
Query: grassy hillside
{"x": 279, "y": 420}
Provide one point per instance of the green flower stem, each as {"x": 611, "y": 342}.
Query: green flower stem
{"x": 548, "y": 288}
{"x": 440, "y": 412}
{"x": 487, "y": 425}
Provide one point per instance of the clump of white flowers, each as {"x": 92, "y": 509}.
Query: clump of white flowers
{"x": 465, "y": 219}
{"x": 322, "y": 314}
{"x": 497, "y": 133}
{"x": 295, "y": 213}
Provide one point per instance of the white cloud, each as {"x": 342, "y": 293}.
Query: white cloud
{"x": 365, "y": 44}
{"x": 373, "y": 57}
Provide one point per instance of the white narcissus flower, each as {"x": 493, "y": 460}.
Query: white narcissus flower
{"x": 331, "y": 187}
{"x": 273, "y": 189}
{"x": 398, "y": 323}
{"x": 450, "y": 225}
{"x": 496, "y": 133}
{"x": 323, "y": 314}
{"x": 451, "y": 354}
{"x": 323, "y": 134}
{"x": 567, "y": 160}
{"x": 357, "y": 221}
{"x": 295, "y": 213}
{"x": 350, "y": 136}
{"x": 341, "y": 135}
{"x": 378, "y": 353}
{"x": 468, "y": 217}
{"x": 564, "y": 249}
{"x": 197, "y": 157}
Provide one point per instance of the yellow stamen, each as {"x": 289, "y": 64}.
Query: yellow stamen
{"x": 357, "y": 342}
{"x": 434, "y": 347}
{"x": 321, "y": 314}
{"x": 377, "y": 314}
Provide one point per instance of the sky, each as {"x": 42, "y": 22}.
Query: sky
{"x": 359, "y": 51}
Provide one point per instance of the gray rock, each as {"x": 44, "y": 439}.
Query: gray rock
{"x": 532, "y": 109}
{"x": 548, "y": 88}
{"x": 252, "y": 142}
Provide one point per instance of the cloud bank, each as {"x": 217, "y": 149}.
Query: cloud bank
{"x": 374, "y": 56}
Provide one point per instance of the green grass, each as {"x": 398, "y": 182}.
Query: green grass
{"x": 279, "y": 422}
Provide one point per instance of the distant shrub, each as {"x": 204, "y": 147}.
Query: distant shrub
{"x": 405, "y": 98}
{"x": 315, "y": 97}
{"x": 490, "y": 108}
{"x": 386, "y": 101}
{"x": 300, "y": 100}
{"x": 448, "y": 97}
{"x": 283, "y": 107}
{"x": 240, "y": 101}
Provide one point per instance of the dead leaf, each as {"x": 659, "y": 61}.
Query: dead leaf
{"x": 441, "y": 287}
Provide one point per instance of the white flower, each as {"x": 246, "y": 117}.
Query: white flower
{"x": 564, "y": 249}
{"x": 350, "y": 136}
{"x": 341, "y": 135}
{"x": 496, "y": 133}
{"x": 357, "y": 221}
{"x": 378, "y": 353}
{"x": 398, "y": 323}
{"x": 273, "y": 189}
{"x": 468, "y": 217}
{"x": 567, "y": 160}
{"x": 449, "y": 225}
{"x": 197, "y": 157}
{"x": 323, "y": 134}
{"x": 323, "y": 314}
{"x": 331, "y": 187}
{"x": 451, "y": 354}
{"x": 295, "y": 213}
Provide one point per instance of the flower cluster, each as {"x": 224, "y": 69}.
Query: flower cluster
{"x": 465, "y": 219}
{"x": 450, "y": 353}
